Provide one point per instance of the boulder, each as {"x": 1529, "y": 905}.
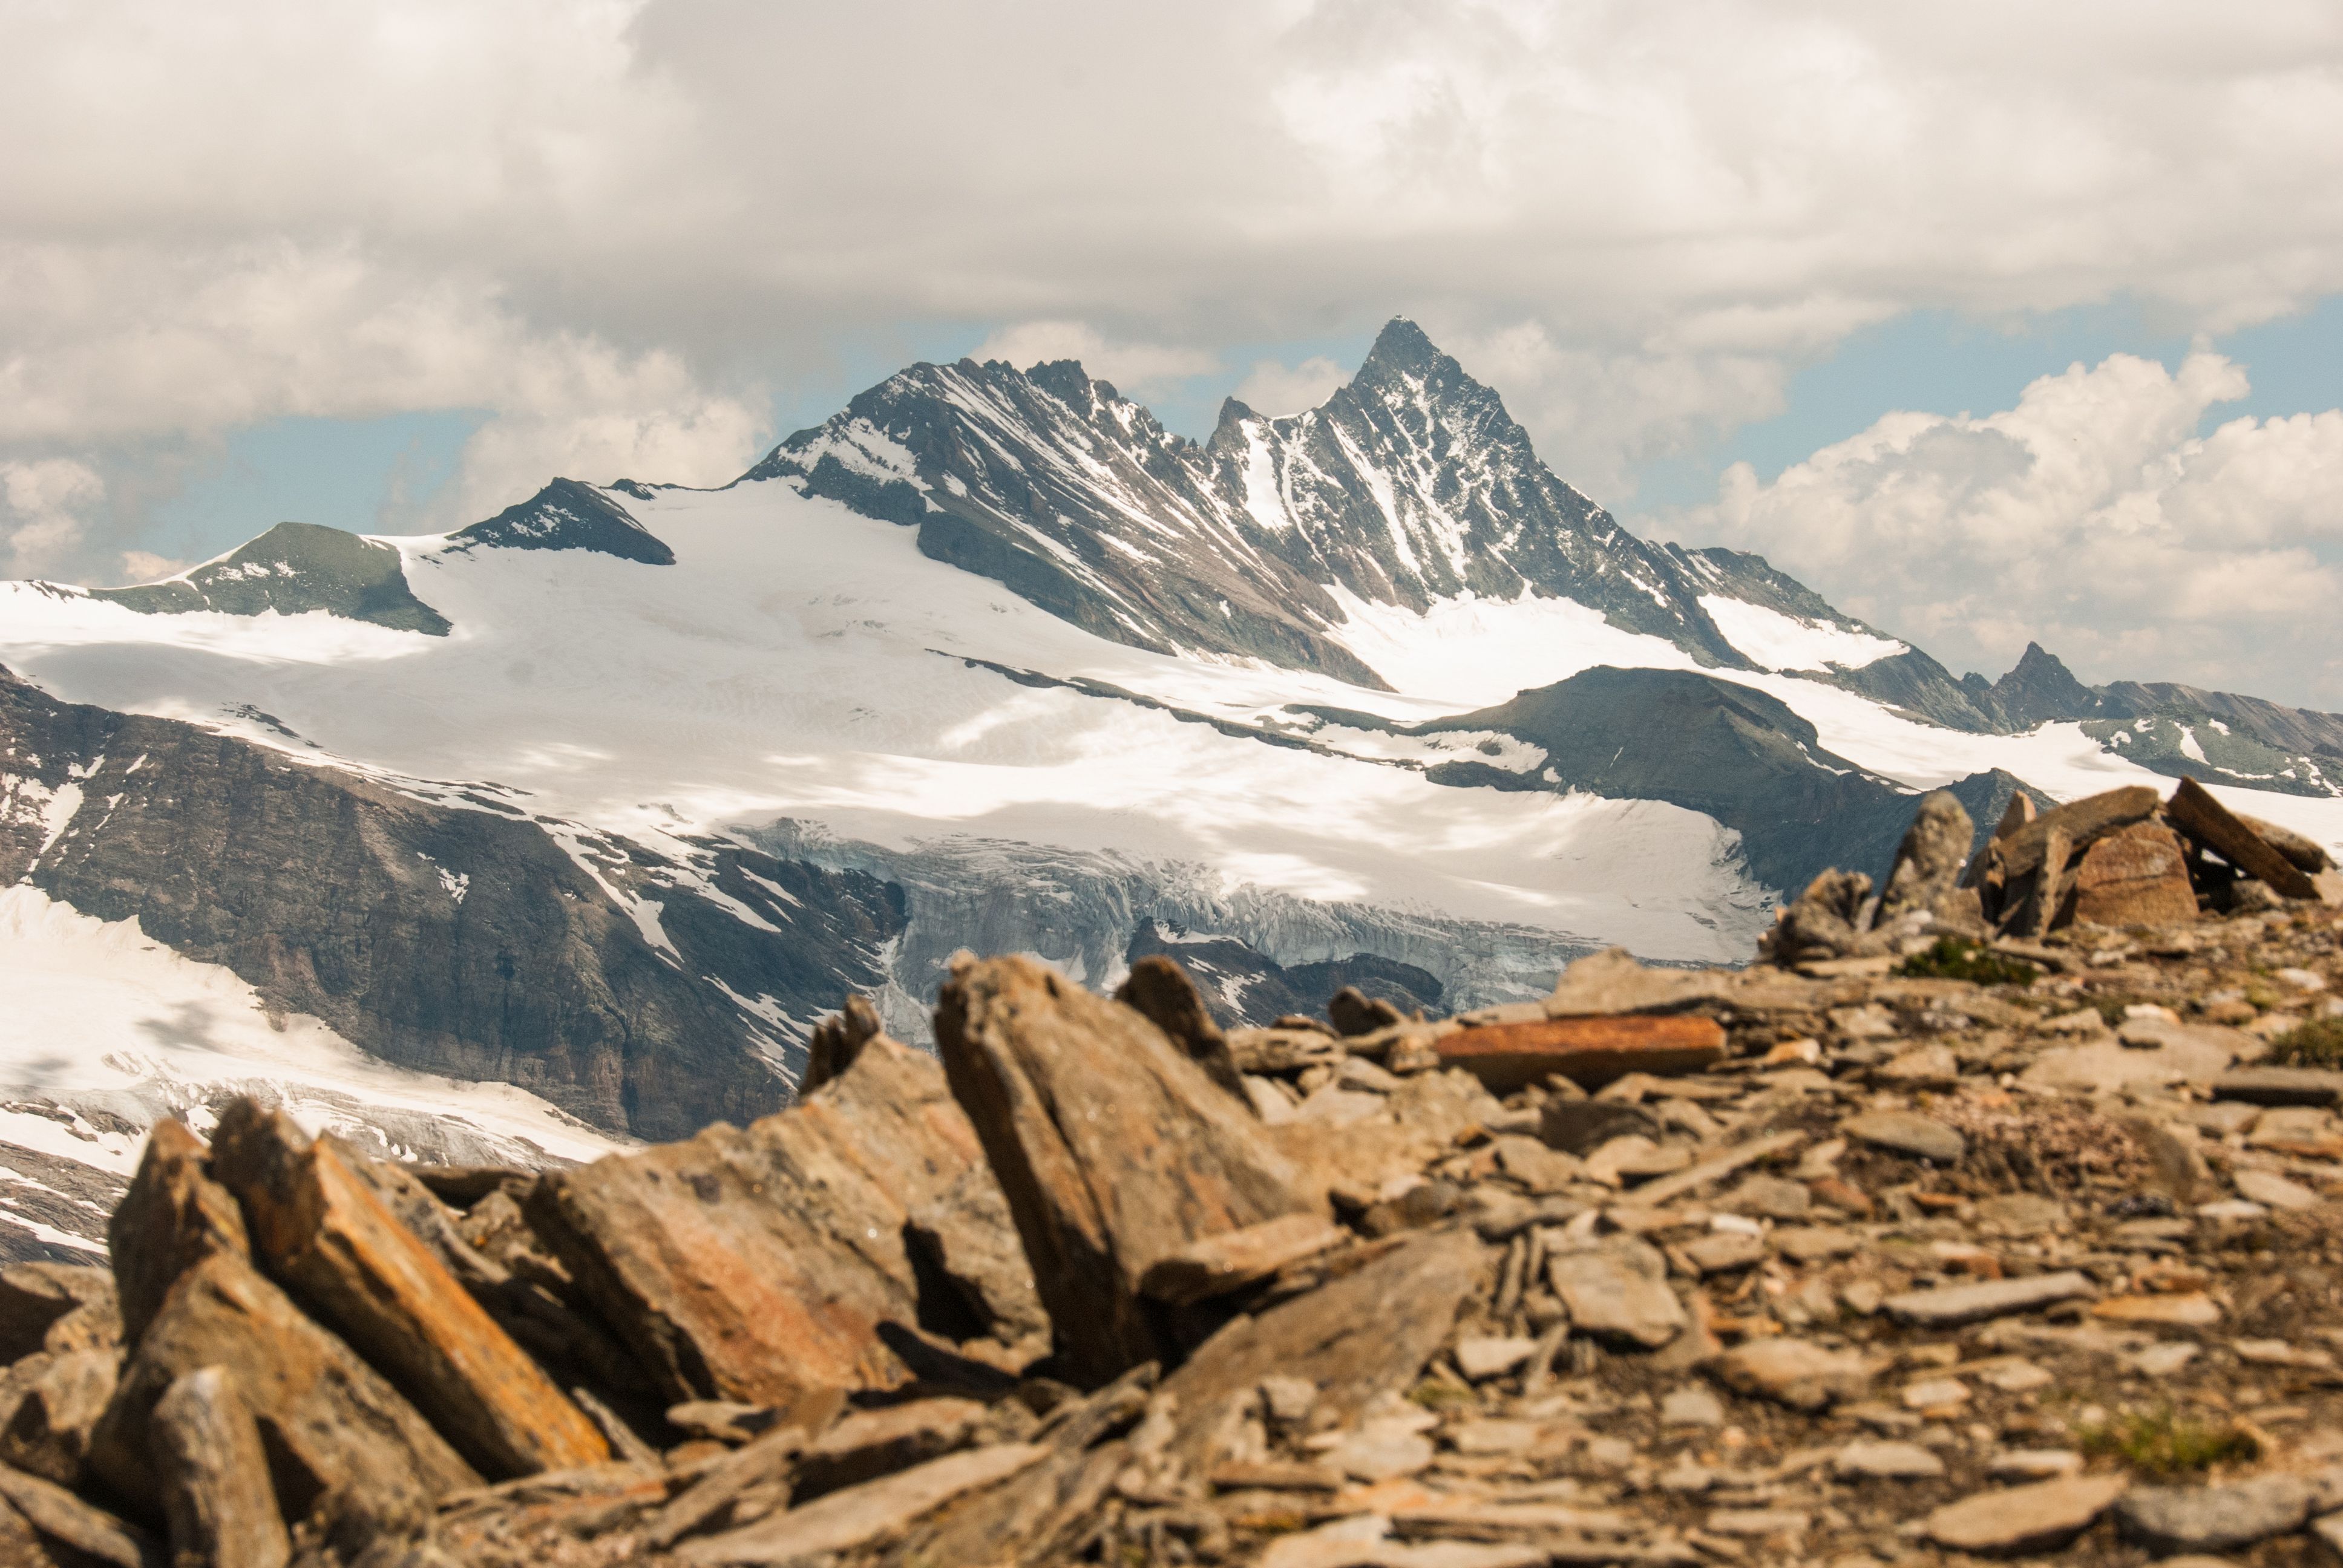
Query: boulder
{"x": 838, "y": 1040}
{"x": 1232, "y": 1260}
{"x": 1354, "y": 1013}
{"x": 2136, "y": 876}
{"x": 2080, "y": 824}
{"x": 1822, "y": 922}
{"x": 967, "y": 1234}
{"x": 1590, "y": 1051}
{"x": 1161, "y": 990}
{"x": 321, "y": 1231}
{"x": 88, "y": 1534}
{"x": 2171, "y": 1519}
{"x": 1580, "y": 1127}
{"x": 173, "y": 1217}
{"x": 1950, "y": 1306}
{"x": 330, "y": 1421}
{"x": 2307, "y": 855}
{"x": 213, "y": 1474}
{"x": 1795, "y": 1373}
{"x": 758, "y": 1265}
{"x": 56, "y": 1307}
{"x": 2217, "y": 828}
{"x": 1614, "y": 980}
{"x": 1114, "y": 1148}
{"x": 1365, "y": 1335}
{"x": 870, "y": 1443}
{"x": 1907, "y": 1132}
{"x": 48, "y": 1435}
{"x": 1928, "y": 861}
{"x": 1617, "y": 1289}
{"x": 2195, "y": 811}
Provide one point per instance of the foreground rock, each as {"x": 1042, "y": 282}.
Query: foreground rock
{"x": 2025, "y": 1519}
{"x": 759, "y": 1265}
{"x": 2010, "y": 1248}
{"x": 321, "y": 1231}
{"x": 1115, "y": 1149}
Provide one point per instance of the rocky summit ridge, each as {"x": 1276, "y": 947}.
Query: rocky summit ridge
{"x": 1994, "y": 1215}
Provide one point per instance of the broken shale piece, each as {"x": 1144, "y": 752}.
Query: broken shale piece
{"x": 2195, "y": 811}
{"x": 1590, "y": 1051}
{"x": 216, "y": 1494}
{"x": 321, "y": 1231}
{"x": 1115, "y": 1149}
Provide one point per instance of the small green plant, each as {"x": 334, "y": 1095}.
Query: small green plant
{"x": 1950, "y": 957}
{"x": 2160, "y": 1444}
{"x": 1435, "y": 1395}
{"x": 2317, "y": 1043}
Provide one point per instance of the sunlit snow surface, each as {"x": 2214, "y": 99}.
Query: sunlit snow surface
{"x": 99, "y": 1021}
{"x": 1779, "y": 641}
{"x": 800, "y": 660}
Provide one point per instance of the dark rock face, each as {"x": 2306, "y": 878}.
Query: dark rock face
{"x": 294, "y": 567}
{"x": 1411, "y": 484}
{"x": 569, "y": 516}
{"x": 1244, "y": 987}
{"x": 1705, "y": 744}
{"x": 2180, "y": 731}
{"x": 462, "y": 941}
{"x": 1709, "y": 745}
{"x": 2042, "y": 688}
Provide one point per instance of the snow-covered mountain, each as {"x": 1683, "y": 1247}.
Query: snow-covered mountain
{"x": 608, "y": 798}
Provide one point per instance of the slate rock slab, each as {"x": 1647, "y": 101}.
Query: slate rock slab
{"x": 2014, "y": 1520}
{"x": 1114, "y": 1148}
{"x": 758, "y": 1265}
{"x": 2169, "y": 1519}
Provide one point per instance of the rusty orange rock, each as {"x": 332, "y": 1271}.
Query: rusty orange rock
{"x": 321, "y": 1231}
{"x": 1589, "y": 1051}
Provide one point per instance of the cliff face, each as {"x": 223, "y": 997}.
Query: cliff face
{"x": 454, "y": 934}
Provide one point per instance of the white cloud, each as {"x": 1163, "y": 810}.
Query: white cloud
{"x": 44, "y": 509}
{"x": 610, "y": 224}
{"x": 1279, "y": 390}
{"x": 147, "y": 567}
{"x": 1131, "y": 367}
{"x": 2090, "y": 517}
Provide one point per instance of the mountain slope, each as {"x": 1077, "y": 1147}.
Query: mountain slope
{"x": 453, "y": 936}
{"x": 291, "y": 569}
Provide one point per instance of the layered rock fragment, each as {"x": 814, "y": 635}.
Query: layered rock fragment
{"x": 759, "y": 1264}
{"x": 1114, "y": 1148}
{"x": 323, "y": 1232}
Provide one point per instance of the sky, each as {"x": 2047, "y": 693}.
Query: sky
{"x": 1993, "y": 323}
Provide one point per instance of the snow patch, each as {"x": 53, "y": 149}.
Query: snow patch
{"x": 1776, "y": 641}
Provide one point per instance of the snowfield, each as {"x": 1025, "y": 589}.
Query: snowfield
{"x": 105, "y": 1030}
{"x": 802, "y": 661}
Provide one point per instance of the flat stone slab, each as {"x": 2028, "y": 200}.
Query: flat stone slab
{"x": 1906, "y": 1132}
{"x": 1795, "y": 1373}
{"x": 1235, "y": 1259}
{"x": 2280, "y": 1086}
{"x": 2019, "y": 1518}
{"x": 860, "y": 1514}
{"x": 1949, "y": 1306}
{"x": 1589, "y": 1051}
{"x": 2169, "y": 1519}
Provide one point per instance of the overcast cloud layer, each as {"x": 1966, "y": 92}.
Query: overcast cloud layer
{"x": 614, "y": 227}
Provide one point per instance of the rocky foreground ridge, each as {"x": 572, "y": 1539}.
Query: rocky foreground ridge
{"x": 1997, "y": 1216}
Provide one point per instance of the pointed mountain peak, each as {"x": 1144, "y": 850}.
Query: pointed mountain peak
{"x": 569, "y": 516}
{"x": 2041, "y": 687}
{"x": 1401, "y": 346}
